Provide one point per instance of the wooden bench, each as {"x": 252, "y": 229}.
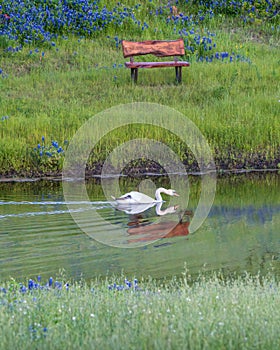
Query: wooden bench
{"x": 157, "y": 48}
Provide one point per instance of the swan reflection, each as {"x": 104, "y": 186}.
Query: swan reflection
{"x": 141, "y": 208}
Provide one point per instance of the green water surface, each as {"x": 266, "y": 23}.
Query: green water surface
{"x": 38, "y": 235}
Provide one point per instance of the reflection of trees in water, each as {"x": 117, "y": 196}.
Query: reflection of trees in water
{"x": 253, "y": 215}
{"x": 264, "y": 262}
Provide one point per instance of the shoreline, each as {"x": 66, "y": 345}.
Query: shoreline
{"x": 235, "y": 163}
{"x": 58, "y": 176}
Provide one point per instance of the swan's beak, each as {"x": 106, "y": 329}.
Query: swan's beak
{"x": 176, "y": 194}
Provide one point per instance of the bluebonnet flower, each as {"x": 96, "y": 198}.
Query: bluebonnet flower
{"x": 43, "y": 151}
{"x": 58, "y": 285}
{"x": 3, "y": 290}
{"x": 128, "y": 285}
{"x": 30, "y": 284}
{"x": 22, "y": 289}
{"x": 135, "y": 283}
{"x": 55, "y": 144}
{"x": 25, "y": 23}
{"x": 50, "y": 281}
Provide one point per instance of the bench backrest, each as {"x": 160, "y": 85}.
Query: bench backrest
{"x": 158, "y": 48}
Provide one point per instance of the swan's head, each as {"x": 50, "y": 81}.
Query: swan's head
{"x": 163, "y": 190}
{"x": 169, "y": 192}
{"x": 172, "y": 193}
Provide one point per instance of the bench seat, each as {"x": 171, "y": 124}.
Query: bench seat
{"x": 156, "y": 64}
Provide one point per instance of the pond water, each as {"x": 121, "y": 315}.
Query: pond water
{"x": 38, "y": 235}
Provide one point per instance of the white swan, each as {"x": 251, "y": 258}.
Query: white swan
{"x": 135, "y": 197}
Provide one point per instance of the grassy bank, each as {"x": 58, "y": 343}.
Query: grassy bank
{"x": 209, "y": 313}
{"x": 52, "y": 82}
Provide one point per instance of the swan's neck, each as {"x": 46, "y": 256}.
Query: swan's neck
{"x": 158, "y": 194}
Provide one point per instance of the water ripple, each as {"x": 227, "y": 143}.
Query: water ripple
{"x": 54, "y": 203}
{"x": 55, "y": 212}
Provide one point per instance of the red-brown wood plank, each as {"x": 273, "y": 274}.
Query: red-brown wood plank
{"x": 158, "y": 48}
{"x": 156, "y": 64}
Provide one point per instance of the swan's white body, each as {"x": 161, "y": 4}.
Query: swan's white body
{"x": 133, "y": 209}
{"x": 135, "y": 197}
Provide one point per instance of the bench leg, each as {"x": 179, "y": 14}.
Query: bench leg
{"x": 178, "y": 71}
{"x": 134, "y": 74}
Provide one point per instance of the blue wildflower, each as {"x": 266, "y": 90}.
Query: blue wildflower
{"x": 55, "y": 144}
{"x": 30, "y": 284}
{"x": 57, "y": 285}
{"x": 23, "y": 289}
{"x": 128, "y": 283}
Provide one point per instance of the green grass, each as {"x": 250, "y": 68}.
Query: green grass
{"x": 235, "y": 105}
{"x": 208, "y": 313}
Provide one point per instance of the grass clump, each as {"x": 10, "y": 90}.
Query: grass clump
{"x": 206, "y": 313}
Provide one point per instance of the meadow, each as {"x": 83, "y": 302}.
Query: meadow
{"x": 61, "y": 63}
{"x": 209, "y": 313}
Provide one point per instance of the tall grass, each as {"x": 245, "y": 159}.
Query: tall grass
{"x": 208, "y": 313}
{"x": 51, "y": 91}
